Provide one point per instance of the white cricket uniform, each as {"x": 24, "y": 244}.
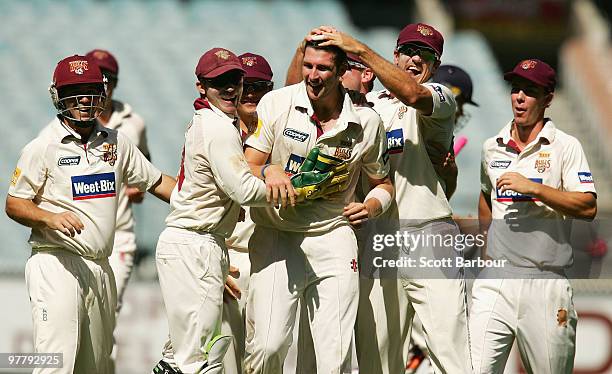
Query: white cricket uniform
{"x": 420, "y": 207}
{"x": 192, "y": 260}
{"x": 531, "y": 299}
{"x": 307, "y": 252}
{"x": 69, "y": 280}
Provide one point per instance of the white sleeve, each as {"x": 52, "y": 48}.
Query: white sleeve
{"x": 485, "y": 181}
{"x": 263, "y": 137}
{"x": 138, "y": 171}
{"x": 576, "y": 174}
{"x": 376, "y": 158}
{"x": 31, "y": 172}
{"x": 444, "y": 104}
{"x": 230, "y": 169}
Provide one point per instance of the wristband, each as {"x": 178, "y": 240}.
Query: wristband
{"x": 383, "y": 197}
{"x": 263, "y": 169}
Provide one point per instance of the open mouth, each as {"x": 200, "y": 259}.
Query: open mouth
{"x": 414, "y": 70}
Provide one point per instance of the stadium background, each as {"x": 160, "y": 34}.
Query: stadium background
{"x": 159, "y": 42}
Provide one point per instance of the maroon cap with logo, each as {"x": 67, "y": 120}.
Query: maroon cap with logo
{"x": 256, "y": 66}
{"x": 217, "y": 61}
{"x": 76, "y": 70}
{"x": 535, "y": 71}
{"x": 105, "y": 60}
{"x": 422, "y": 33}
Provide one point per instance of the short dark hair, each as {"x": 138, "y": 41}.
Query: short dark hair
{"x": 340, "y": 58}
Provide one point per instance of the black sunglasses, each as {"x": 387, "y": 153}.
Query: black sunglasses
{"x": 258, "y": 86}
{"x": 230, "y": 78}
{"x": 414, "y": 50}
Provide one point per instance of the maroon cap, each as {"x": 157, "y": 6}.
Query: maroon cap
{"x": 105, "y": 60}
{"x": 217, "y": 61}
{"x": 355, "y": 60}
{"x": 423, "y": 34}
{"x": 535, "y": 71}
{"x": 76, "y": 70}
{"x": 256, "y": 66}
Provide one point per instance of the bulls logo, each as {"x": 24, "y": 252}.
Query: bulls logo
{"x": 78, "y": 67}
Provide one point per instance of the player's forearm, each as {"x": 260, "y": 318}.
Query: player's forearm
{"x": 573, "y": 204}
{"x": 373, "y": 204}
{"x": 26, "y": 212}
{"x": 294, "y": 72}
{"x": 163, "y": 188}
{"x": 398, "y": 82}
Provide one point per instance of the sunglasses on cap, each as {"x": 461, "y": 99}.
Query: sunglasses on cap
{"x": 257, "y": 86}
{"x": 412, "y": 50}
{"x": 230, "y": 78}
{"x": 356, "y": 65}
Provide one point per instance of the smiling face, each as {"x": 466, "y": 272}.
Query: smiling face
{"x": 418, "y": 61}
{"x": 321, "y": 73}
{"x": 82, "y": 102}
{"x": 253, "y": 91}
{"x": 223, "y": 91}
{"x": 529, "y": 101}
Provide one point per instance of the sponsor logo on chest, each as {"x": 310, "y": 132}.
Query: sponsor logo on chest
{"x": 509, "y": 195}
{"x": 395, "y": 141}
{"x": 69, "y": 161}
{"x": 295, "y": 134}
{"x": 585, "y": 177}
{"x": 293, "y": 164}
{"x": 94, "y": 186}
{"x": 500, "y": 164}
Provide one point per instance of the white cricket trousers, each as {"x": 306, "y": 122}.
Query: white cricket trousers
{"x": 73, "y": 302}
{"x": 192, "y": 267}
{"x": 318, "y": 268}
{"x": 234, "y": 314}
{"x": 538, "y": 313}
{"x": 438, "y": 297}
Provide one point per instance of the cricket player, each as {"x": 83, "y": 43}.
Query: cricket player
{"x": 214, "y": 181}
{"x": 309, "y": 253}
{"x": 65, "y": 187}
{"x": 119, "y": 116}
{"x": 534, "y": 178}
{"x": 416, "y": 113}
{"x": 257, "y": 82}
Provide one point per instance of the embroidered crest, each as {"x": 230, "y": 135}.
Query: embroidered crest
{"x": 78, "y": 67}
{"x": 249, "y": 60}
{"x": 110, "y": 154}
{"x": 542, "y": 164}
{"x": 402, "y": 110}
{"x": 528, "y": 64}
{"x": 222, "y": 54}
{"x": 424, "y": 30}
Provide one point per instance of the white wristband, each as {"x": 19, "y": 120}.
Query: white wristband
{"x": 382, "y": 196}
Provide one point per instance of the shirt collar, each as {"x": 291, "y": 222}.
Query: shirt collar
{"x": 235, "y": 120}
{"x": 348, "y": 114}
{"x": 547, "y": 134}
{"x": 62, "y": 132}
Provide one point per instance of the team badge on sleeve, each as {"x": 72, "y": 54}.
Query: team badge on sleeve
{"x": 15, "y": 176}
{"x": 94, "y": 186}
{"x": 509, "y": 195}
{"x": 585, "y": 177}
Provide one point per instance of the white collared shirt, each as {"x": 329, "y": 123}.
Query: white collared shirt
{"x": 555, "y": 159}
{"x": 60, "y": 173}
{"x": 214, "y": 178}
{"x": 419, "y": 192}
{"x": 288, "y": 134}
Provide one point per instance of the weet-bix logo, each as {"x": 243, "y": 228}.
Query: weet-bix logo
{"x": 395, "y": 141}
{"x": 499, "y": 164}
{"x": 293, "y": 164}
{"x": 509, "y": 195}
{"x": 585, "y": 177}
{"x": 93, "y": 186}
{"x": 69, "y": 161}
{"x": 296, "y": 135}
